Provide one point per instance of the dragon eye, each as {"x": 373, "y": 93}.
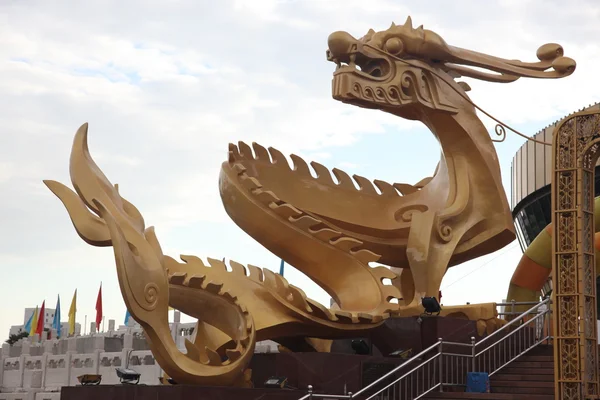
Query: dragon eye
{"x": 394, "y": 46}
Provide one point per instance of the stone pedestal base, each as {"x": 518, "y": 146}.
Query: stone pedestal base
{"x": 338, "y": 372}
{"x": 175, "y": 392}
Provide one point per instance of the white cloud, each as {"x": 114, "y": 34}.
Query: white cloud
{"x": 166, "y": 85}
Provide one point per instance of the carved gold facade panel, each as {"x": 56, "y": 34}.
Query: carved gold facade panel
{"x": 575, "y": 154}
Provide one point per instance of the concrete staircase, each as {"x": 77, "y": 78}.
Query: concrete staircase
{"x": 529, "y": 377}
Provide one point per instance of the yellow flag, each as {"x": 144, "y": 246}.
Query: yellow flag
{"x": 34, "y": 322}
{"x": 72, "y": 312}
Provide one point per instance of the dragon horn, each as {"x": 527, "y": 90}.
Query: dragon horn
{"x": 550, "y": 56}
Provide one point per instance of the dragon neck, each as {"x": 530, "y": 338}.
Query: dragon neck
{"x": 468, "y": 153}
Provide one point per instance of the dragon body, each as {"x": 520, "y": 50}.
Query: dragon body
{"x": 333, "y": 228}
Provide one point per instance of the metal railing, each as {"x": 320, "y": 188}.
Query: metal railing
{"x": 447, "y": 363}
{"x": 510, "y": 308}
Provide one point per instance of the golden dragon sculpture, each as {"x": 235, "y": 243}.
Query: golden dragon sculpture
{"x": 328, "y": 228}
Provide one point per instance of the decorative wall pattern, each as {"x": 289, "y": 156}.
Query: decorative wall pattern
{"x": 575, "y": 154}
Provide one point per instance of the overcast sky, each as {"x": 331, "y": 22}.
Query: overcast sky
{"x": 166, "y": 85}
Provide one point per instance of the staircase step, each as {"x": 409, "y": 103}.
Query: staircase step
{"x": 522, "y": 377}
{"x": 537, "y": 358}
{"x": 523, "y": 390}
{"x": 529, "y": 377}
{"x": 522, "y": 387}
{"x": 510, "y": 370}
{"x": 531, "y": 364}
{"x": 487, "y": 396}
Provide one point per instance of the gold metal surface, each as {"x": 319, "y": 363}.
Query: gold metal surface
{"x": 326, "y": 227}
{"x": 576, "y": 144}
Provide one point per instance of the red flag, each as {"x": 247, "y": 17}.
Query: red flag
{"x": 39, "y": 329}
{"x": 99, "y": 309}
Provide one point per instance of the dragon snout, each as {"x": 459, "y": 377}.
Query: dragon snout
{"x": 340, "y": 44}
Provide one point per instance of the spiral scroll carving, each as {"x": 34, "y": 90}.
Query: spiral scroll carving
{"x": 444, "y": 231}
{"x": 406, "y": 214}
{"x": 151, "y": 296}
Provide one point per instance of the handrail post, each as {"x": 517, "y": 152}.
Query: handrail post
{"x": 512, "y": 307}
{"x": 440, "y": 364}
{"x": 472, "y": 353}
{"x": 310, "y": 391}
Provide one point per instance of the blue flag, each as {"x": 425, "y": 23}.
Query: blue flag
{"x": 281, "y": 267}
{"x": 127, "y": 315}
{"x": 56, "y": 320}
{"x": 27, "y": 327}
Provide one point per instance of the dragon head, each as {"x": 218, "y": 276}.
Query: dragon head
{"x": 402, "y": 69}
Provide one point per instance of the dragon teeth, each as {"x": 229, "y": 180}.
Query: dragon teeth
{"x": 300, "y": 166}
{"x": 385, "y": 188}
{"x": 194, "y": 261}
{"x": 193, "y": 353}
{"x": 365, "y": 256}
{"x": 323, "y": 173}
{"x": 346, "y": 243}
{"x": 234, "y": 149}
{"x": 275, "y": 282}
{"x": 266, "y": 196}
{"x": 383, "y": 273}
{"x": 228, "y": 296}
{"x": 256, "y": 273}
{"x": 237, "y": 268}
{"x": 218, "y": 265}
{"x": 405, "y": 188}
{"x": 261, "y": 153}
{"x": 233, "y": 354}
{"x": 422, "y": 182}
{"x": 285, "y": 210}
{"x": 245, "y": 342}
{"x": 344, "y": 179}
{"x": 249, "y": 325}
{"x": 213, "y": 357}
{"x": 233, "y": 153}
{"x": 250, "y": 183}
{"x": 278, "y": 157}
{"x": 305, "y": 222}
{"x": 320, "y": 311}
{"x": 344, "y": 316}
{"x": 367, "y": 318}
{"x": 326, "y": 234}
{"x": 213, "y": 287}
{"x": 299, "y": 299}
{"x": 196, "y": 281}
{"x": 239, "y": 169}
{"x": 245, "y": 151}
{"x": 365, "y": 184}
{"x": 391, "y": 292}
{"x": 177, "y": 278}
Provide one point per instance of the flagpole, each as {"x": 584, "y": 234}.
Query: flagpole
{"x": 103, "y": 323}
